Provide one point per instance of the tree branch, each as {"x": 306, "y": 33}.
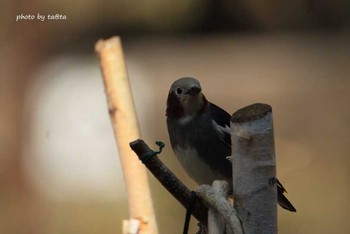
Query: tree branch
{"x": 169, "y": 180}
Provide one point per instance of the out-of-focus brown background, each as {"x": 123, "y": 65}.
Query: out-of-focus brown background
{"x": 59, "y": 169}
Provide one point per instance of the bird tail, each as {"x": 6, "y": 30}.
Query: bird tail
{"x": 282, "y": 200}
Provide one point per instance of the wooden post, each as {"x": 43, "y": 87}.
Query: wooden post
{"x": 254, "y": 169}
{"x": 125, "y": 126}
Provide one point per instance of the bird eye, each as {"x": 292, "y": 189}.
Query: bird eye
{"x": 179, "y": 91}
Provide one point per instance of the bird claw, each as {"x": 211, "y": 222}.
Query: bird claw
{"x": 230, "y": 158}
{"x": 244, "y": 133}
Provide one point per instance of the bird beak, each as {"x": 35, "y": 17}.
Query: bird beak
{"x": 194, "y": 90}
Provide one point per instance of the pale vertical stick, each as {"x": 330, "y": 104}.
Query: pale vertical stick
{"x": 254, "y": 169}
{"x": 125, "y": 126}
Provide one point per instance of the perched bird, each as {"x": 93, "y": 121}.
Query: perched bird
{"x": 199, "y": 133}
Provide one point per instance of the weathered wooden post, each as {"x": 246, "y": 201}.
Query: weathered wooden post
{"x": 254, "y": 169}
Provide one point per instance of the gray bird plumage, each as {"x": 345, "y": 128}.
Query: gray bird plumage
{"x": 199, "y": 133}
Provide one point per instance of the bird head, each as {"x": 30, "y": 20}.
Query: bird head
{"x": 185, "y": 98}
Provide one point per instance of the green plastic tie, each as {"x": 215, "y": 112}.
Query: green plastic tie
{"x": 145, "y": 158}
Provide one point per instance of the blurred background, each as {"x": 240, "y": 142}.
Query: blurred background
{"x": 59, "y": 168}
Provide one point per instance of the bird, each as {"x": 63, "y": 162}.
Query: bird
{"x": 200, "y": 136}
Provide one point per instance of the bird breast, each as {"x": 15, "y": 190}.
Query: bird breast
{"x": 196, "y": 167}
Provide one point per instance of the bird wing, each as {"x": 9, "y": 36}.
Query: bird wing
{"x": 221, "y": 121}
